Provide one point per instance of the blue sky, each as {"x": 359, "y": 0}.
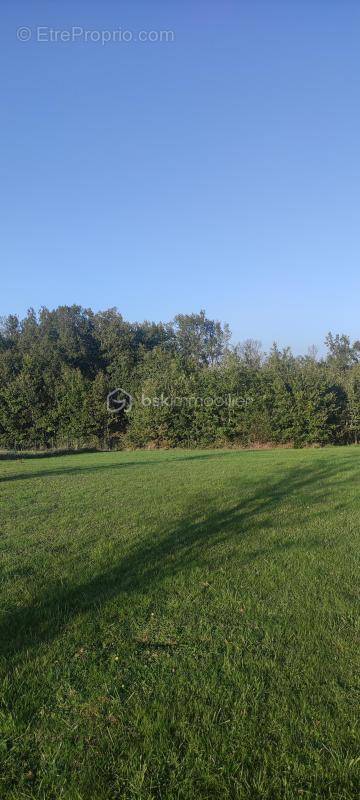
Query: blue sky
{"x": 217, "y": 171}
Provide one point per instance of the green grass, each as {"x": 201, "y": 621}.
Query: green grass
{"x": 180, "y": 625}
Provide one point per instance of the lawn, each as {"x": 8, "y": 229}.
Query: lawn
{"x": 180, "y": 625}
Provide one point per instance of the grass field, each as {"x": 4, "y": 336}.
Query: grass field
{"x": 180, "y": 625}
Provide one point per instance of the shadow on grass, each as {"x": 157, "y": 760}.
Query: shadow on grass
{"x": 191, "y": 543}
{"x": 19, "y": 455}
{"x": 77, "y": 470}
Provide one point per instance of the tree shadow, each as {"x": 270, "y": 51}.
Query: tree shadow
{"x": 161, "y": 556}
{"x": 77, "y": 470}
{"x": 19, "y": 455}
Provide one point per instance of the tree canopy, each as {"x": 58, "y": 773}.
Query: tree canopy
{"x": 189, "y": 385}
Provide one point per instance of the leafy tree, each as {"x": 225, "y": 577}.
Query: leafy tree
{"x": 70, "y": 412}
{"x": 342, "y": 355}
{"x": 199, "y": 340}
{"x": 190, "y": 386}
{"x": 353, "y": 406}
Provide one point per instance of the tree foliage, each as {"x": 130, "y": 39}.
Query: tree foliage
{"x": 190, "y": 385}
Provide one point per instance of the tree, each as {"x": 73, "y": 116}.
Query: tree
{"x": 200, "y": 341}
{"x": 342, "y": 355}
{"x": 353, "y": 408}
{"x": 190, "y": 386}
{"x": 70, "y": 413}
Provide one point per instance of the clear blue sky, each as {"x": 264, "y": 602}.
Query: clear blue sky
{"x": 220, "y": 170}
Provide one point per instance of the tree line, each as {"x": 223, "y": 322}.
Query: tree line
{"x": 190, "y": 386}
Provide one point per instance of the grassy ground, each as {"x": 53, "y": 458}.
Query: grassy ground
{"x": 180, "y": 625}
